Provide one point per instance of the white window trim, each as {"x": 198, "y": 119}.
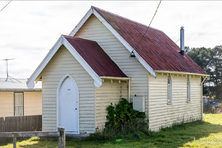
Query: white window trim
{"x": 169, "y": 92}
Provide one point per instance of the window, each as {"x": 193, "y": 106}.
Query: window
{"x": 18, "y": 102}
{"x": 188, "y": 89}
{"x": 169, "y": 90}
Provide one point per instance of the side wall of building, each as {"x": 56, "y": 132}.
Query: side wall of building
{"x": 6, "y": 104}
{"x": 94, "y": 30}
{"x": 61, "y": 64}
{"x": 32, "y": 103}
{"x": 111, "y": 91}
{"x": 162, "y": 114}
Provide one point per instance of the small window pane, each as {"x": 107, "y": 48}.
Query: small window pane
{"x": 169, "y": 89}
{"x": 18, "y": 104}
{"x": 188, "y": 89}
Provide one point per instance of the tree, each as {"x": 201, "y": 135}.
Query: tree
{"x": 202, "y": 56}
{"x": 210, "y": 60}
{"x": 216, "y": 72}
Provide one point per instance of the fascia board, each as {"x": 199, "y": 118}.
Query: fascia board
{"x": 36, "y": 73}
{"x": 182, "y": 73}
{"x": 83, "y": 20}
{"x": 83, "y": 63}
{"x": 125, "y": 43}
{"x": 38, "y": 79}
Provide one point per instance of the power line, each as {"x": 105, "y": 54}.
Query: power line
{"x": 5, "y": 5}
{"x": 177, "y": 40}
{"x": 149, "y": 25}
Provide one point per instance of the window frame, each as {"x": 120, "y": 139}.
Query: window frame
{"x": 188, "y": 90}
{"x": 169, "y": 91}
{"x": 22, "y": 102}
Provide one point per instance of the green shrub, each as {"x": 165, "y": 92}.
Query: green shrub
{"x": 122, "y": 118}
{"x": 123, "y": 121}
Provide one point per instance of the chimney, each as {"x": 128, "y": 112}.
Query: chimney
{"x": 182, "y": 41}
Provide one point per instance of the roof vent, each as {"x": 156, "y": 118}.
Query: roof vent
{"x": 182, "y": 41}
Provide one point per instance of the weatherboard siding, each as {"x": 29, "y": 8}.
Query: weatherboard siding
{"x": 32, "y": 103}
{"x": 6, "y": 104}
{"x": 94, "y": 30}
{"x": 109, "y": 92}
{"x": 162, "y": 114}
{"x": 61, "y": 64}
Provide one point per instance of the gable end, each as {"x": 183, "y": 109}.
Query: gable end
{"x": 62, "y": 41}
{"x": 116, "y": 34}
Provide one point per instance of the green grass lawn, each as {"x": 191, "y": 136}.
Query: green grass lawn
{"x": 197, "y": 134}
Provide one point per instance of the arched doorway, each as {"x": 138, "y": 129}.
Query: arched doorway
{"x": 68, "y": 105}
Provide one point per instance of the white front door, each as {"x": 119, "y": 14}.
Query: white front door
{"x": 68, "y": 106}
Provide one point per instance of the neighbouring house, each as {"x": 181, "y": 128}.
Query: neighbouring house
{"x": 16, "y": 99}
{"x": 91, "y": 67}
{"x": 206, "y": 101}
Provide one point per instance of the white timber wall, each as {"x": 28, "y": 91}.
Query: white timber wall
{"x": 61, "y": 64}
{"x": 32, "y": 103}
{"x": 109, "y": 92}
{"x": 94, "y": 30}
{"x": 162, "y": 114}
{"x": 6, "y": 104}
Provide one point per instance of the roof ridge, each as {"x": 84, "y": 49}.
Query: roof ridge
{"x": 95, "y": 8}
{"x": 156, "y": 44}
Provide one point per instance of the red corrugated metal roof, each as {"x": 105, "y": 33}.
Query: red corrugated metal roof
{"x": 156, "y": 48}
{"x": 94, "y": 55}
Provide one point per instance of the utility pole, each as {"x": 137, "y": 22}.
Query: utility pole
{"x": 7, "y": 67}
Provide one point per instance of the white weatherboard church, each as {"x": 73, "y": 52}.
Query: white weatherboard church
{"x": 90, "y": 68}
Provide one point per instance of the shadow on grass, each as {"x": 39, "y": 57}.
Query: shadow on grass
{"x": 6, "y": 141}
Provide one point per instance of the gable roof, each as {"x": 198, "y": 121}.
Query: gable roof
{"x": 88, "y": 53}
{"x": 95, "y": 56}
{"x": 156, "y": 52}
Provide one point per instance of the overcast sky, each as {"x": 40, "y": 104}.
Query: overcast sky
{"x": 28, "y": 29}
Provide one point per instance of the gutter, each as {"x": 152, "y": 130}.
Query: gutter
{"x": 182, "y": 73}
{"x": 25, "y": 90}
{"x": 115, "y": 78}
